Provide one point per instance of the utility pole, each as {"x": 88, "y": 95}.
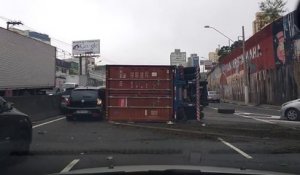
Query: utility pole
{"x": 80, "y": 64}
{"x": 246, "y": 84}
{"x": 13, "y": 23}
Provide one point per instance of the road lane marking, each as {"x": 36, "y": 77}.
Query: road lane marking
{"x": 254, "y": 118}
{"x": 35, "y": 126}
{"x": 275, "y": 117}
{"x": 236, "y": 149}
{"x": 212, "y": 108}
{"x": 70, "y": 166}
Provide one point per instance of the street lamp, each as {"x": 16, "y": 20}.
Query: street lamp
{"x": 220, "y": 33}
{"x": 246, "y": 65}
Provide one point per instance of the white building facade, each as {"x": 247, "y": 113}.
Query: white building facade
{"x": 178, "y": 58}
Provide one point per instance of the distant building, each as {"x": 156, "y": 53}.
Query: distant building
{"x": 193, "y": 60}
{"x": 88, "y": 64}
{"x": 178, "y": 58}
{"x": 35, "y": 35}
{"x": 62, "y": 71}
{"x": 259, "y": 23}
{"x": 98, "y": 76}
{"x": 213, "y": 56}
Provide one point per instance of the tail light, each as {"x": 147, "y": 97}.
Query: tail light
{"x": 67, "y": 100}
{"x": 99, "y": 102}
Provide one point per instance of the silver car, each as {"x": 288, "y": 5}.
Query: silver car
{"x": 291, "y": 110}
{"x": 213, "y": 96}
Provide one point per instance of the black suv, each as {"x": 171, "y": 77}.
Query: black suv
{"x": 86, "y": 102}
{"x": 15, "y": 130}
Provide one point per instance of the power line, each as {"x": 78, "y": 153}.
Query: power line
{"x": 32, "y": 29}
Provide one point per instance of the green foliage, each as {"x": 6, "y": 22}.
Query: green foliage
{"x": 225, "y": 50}
{"x": 237, "y": 44}
{"x": 272, "y": 9}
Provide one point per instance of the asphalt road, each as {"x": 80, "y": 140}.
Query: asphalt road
{"x": 264, "y": 114}
{"x": 59, "y": 145}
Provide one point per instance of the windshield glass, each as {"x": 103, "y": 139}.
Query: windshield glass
{"x": 196, "y": 84}
{"x": 84, "y": 94}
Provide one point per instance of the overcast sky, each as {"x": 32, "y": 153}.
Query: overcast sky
{"x": 138, "y": 31}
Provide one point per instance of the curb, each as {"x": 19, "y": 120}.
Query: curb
{"x": 208, "y": 135}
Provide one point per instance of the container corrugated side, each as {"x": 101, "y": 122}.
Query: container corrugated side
{"x": 139, "y": 93}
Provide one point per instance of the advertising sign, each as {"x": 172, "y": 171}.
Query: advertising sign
{"x": 279, "y": 41}
{"x": 207, "y": 62}
{"x": 208, "y": 67}
{"x": 86, "y": 47}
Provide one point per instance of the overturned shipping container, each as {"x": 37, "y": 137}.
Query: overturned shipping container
{"x": 138, "y": 93}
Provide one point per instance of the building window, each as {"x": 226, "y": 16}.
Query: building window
{"x": 63, "y": 70}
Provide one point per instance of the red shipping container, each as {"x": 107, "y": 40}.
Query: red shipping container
{"x": 135, "y": 114}
{"x": 140, "y": 101}
{"x": 136, "y": 72}
{"x": 139, "y": 93}
{"x": 140, "y": 84}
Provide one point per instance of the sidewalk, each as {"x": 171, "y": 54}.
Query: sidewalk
{"x": 264, "y": 106}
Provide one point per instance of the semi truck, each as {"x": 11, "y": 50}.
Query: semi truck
{"x": 27, "y": 66}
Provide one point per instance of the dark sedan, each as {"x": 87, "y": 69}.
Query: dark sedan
{"x": 86, "y": 102}
{"x": 15, "y": 130}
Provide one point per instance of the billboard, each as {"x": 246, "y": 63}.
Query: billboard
{"x": 86, "y": 47}
{"x": 206, "y": 62}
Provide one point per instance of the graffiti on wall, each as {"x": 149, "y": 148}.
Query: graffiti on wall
{"x": 273, "y": 55}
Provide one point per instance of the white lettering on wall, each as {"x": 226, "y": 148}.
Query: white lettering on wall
{"x": 250, "y": 54}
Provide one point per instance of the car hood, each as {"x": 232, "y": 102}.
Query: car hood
{"x": 289, "y": 102}
{"x": 16, "y": 111}
{"x": 182, "y": 169}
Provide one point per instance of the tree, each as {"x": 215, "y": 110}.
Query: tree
{"x": 237, "y": 44}
{"x": 225, "y": 50}
{"x": 272, "y": 9}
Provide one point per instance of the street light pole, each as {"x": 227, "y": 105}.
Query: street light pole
{"x": 246, "y": 64}
{"x": 221, "y": 34}
{"x": 246, "y": 83}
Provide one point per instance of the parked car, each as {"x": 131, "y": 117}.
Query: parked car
{"x": 291, "y": 110}
{"x": 15, "y": 130}
{"x": 64, "y": 99}
{"x": 54, "y": 91}
{"x": 213, "y": 96}
{"x": 69, "y": 85}
{"x": 86, "y": 102}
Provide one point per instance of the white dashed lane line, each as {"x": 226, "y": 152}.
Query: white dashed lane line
{"x": 45, "y": 123}
{"x": 70, "y": 166}
{"x": 247, "y": 156}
